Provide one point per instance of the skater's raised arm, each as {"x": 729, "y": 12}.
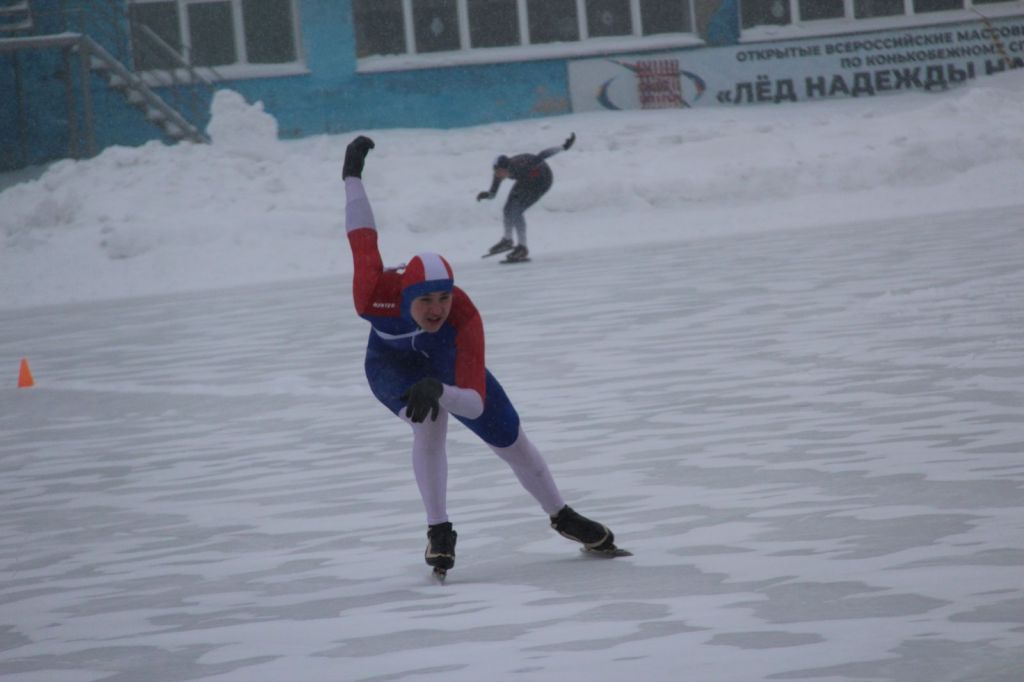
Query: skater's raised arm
{"x": 551, "y": 151}
{"x": 360, "y": 226}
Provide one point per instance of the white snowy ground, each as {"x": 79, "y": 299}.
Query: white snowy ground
{"x": 780, "y": 351}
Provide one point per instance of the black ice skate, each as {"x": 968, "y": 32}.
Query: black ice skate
{"x": 595, "y": 537}
{"x": 520, "y": 254}
{"x": 440, "y": 551}
{"x": 501, "y": 247}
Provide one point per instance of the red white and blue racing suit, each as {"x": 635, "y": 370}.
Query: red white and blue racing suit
{"x": 399, "y": 353}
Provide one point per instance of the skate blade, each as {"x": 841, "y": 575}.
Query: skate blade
{"x": 440, "y": 574}
{"x": 609, "y": 553}
{"x": 496, "y": 253}
{"x": 513, "y": 262}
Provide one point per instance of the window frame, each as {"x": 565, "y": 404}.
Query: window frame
{"x": 241, "y": 68}
{"x": 849, "y": 23}
{"x": 526, "y": 50}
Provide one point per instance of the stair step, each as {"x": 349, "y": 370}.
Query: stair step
{"x": 15, "y": 16}
{"x": 121, "y": 85}
{"x": 135, "y": 91}
{"x": 13, "y": 26}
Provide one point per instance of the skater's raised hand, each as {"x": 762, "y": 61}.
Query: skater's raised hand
{"x": 568, "y": 141}
{"x": 355, "y": 156}
{"x": 422, "y": 398}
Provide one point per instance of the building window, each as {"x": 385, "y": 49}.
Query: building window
{"x": 609, "y": 18}
{"x": 553, "y": 21}
{"x": 269, "y": 31}
{"x": 162, "y": 19}
{"x": 821, "y": 9}
{"x": 402, "y": 27}
{"x": 765, "y": 13}
{"x": 921, "y": 6}
{"x": 211, "y": 32}
{"x": 658, "y": 16}
{"x": 214, "y": 32}
{"x": 493, "y": 23}
{"x": 865, "y": 9}
{"x": 436, "y": 25}
{"x": 783, "y": 12}
{"x": 380, "y": 27}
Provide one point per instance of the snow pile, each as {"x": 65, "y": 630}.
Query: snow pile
{"x": 249, "y": 208}
{"x": 237, "y": 127}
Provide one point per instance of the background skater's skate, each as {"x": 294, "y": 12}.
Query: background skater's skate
{"x": 501, "y": 247}
{"x": 520, "y": 254}
{"x": 595, "y": 537}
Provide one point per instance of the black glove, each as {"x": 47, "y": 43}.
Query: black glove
{"x": 569, "y": 140}
{"x": 483, "y": 195}
{"x": 421, "y": 398}
{"x": 355, "y": 155}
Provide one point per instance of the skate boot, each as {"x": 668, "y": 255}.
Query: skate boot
{"x": 440, "y": 551}
{"x": 590, "y": 534}
{"x": 504, "y": 245}
{"x": 518, "y": 255}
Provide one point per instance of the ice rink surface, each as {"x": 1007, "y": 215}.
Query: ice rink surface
{"x": 810, "y": 438}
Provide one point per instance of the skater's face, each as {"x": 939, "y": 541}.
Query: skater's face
{"x": 431, "y": 310}
{"x": 501, "y": 172}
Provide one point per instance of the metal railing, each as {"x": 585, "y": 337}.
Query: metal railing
{"x": 102, "y": 39}
{"x": 131, "y": 43}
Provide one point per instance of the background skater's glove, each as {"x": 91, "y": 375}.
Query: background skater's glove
{"x": 483, "y": 195}
{"x": 421, "y": 398}
{"x": 569, "y": 140}
{"x": 355, "y": 155}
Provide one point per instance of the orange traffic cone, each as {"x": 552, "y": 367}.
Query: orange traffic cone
{"x": 25, "y": 379}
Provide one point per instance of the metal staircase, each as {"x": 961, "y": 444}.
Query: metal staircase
{"x": 134, "y": 89}
{"x": 184, "y": 92}
{"x": 107, "y": 39}
{"x": 15, "y": 16}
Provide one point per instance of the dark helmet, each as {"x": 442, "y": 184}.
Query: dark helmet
{"x": 502, "y": 162}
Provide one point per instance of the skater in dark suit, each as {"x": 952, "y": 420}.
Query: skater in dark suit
{"x": 425, "y": 360}
{"x": 533, "y": 178}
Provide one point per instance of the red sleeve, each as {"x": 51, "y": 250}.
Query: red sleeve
{"x": 470, "y": 370}
{"x": 367, "y": 267}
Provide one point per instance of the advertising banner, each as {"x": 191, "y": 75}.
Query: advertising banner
{"x": 853, "y": 65}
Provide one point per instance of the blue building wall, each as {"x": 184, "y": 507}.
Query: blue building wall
{"x": 39, "y": 116}
{"x": 334, "y": 98}
{"x": 433, "y": 98}
{"x": 33, "y": 98}
{"x": 331, "y": 98}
